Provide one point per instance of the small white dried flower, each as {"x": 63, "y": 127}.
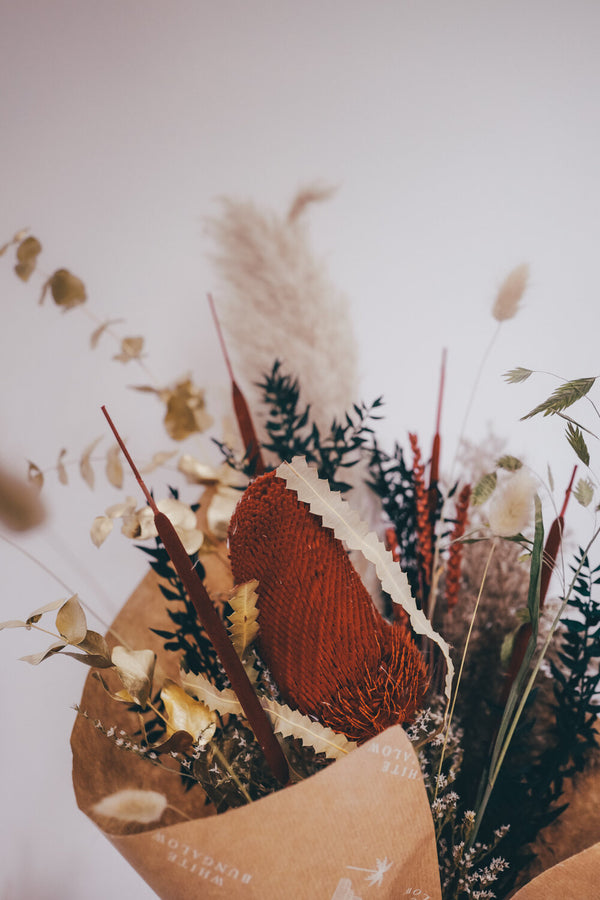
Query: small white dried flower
{"x": 510, "y": 293}
{"x": 512, "y": 504}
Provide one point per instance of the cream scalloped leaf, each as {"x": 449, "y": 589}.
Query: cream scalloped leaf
{"x": 288, "y": 722}
{"x": 291, "y": 723}
{"x": 337, "y": 514}
{"x": 244, "y": 627}
{"x": 223, "y": 702}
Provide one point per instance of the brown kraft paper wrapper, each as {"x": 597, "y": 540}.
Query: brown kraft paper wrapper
{"x": 360, "y": 827}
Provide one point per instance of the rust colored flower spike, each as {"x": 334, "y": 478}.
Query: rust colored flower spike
{"x": 214, "y": 627}
{"x": 455, "y": 553}
{"x": 424, "y": 531}
{"x": 240, "y": 407}
{"x": 331, "y": 653}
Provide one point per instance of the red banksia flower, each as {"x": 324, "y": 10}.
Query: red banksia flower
{"x": 331, "y": 653}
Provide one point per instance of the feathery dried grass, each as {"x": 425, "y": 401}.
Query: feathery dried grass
{"x": 277, "y": 302}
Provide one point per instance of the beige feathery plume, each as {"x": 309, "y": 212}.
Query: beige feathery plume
{"x": 277, "y": 302}
{"x": 510, "y": 293}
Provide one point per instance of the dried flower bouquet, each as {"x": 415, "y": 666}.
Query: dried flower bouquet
{"x": 288, "y": 659}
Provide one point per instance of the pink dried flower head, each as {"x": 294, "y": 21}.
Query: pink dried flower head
{"x": 510, "y": 293}
{"x": 511, "y": 505}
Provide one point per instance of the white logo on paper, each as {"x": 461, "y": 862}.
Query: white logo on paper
{"x": 344, "y": 889}
{"x": 375, "y": 876}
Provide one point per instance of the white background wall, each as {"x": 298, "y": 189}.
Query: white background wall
{"x": 463, "y": 137}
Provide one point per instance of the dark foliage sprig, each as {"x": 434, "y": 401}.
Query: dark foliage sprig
{"x": 392, "y": 481}
{"x": 188, "y": 637}
{"x": 291, "y": 433}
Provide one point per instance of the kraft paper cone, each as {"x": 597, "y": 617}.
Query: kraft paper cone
{"x": 360, "y": 828}
{"x": 364, "y": 822}
{"x": 577, "y": 878}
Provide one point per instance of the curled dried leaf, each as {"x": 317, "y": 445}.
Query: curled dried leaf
{"x": 27, "y": 254}
{"x": 197, "y": 472}
{"x": 186, "y": 714}
{"x": 132, "y": 805}
{"x": 60, "y": 467}
{"x": 34, "y": 659}
{"x": 221, "y": 509}
{"x": 47, "y": 607}
{"x": 135, "y": 668}
{"x": 99, "y": 331}
{"x": 159, "y": 459}
{"x": 67, "y": 290}
{"x": 244, "y": 627}
{"x": 114, "y": 467}
{"x": 70, "y": 621}
{"x": 85, "y": 465}
{"x": 95, "y": 644}
{"x": 20, "y": 505}
{"x": 35, "y": 475}
{"x": 186, "y": 413}
{"x": 100, "y": 530}
{"x": 131, "y": 348}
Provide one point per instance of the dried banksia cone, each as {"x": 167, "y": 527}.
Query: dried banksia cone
{"x": 331, "y": 653}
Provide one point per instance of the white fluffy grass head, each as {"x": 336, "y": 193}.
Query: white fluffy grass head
{"x": 510, "y": 293}
{"x": 512, "y": 504}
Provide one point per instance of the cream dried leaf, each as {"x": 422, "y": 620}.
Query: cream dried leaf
{"x": 197, "y": 472}
{"x": 27, "y": 254}
{"x": 35, "y": 475}
{"x": 114, "y": 467}
{"x": 221, "y": 509}
{"x": 85, "y": 465}
{"x": 132, "y": 805}
{"x": 223, "y": 701}
{"x": 158, "y": 459}
{"x": 131, "y": 348}
{"x": 60, "y": 467}
{"x": 244, "y": 627}
{"x": 291, "y": 723}
{"x": 95, "y": 644}
{"x": 100, "y": 530}
{"x": 67, "y": 290}
{"x": 135, "y": 668}
{"x": 99, "y": 331}
{"x": 70, "y": 621}
{"x": 47, "y": 607}
{"x": 187, "y": 714}
{"x": 35, "y": 659}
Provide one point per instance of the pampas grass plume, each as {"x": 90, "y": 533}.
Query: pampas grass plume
{"x": 510, "y": 293}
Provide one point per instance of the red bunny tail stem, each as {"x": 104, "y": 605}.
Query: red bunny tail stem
{"x": 214, "y": 627}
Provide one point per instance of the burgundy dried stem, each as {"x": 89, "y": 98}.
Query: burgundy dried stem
{"x": 242, "y": 412}
{"x": 214, "y": 627}
{"x": 523, "y": 635}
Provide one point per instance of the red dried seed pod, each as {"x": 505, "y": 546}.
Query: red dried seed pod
{"x": 331, "y": 653}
